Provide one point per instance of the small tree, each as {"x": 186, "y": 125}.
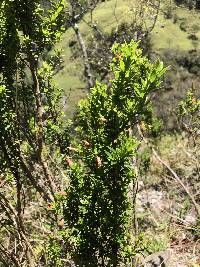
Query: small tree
{"x": 97, "y": 206}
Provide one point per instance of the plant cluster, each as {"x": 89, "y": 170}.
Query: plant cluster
{"x": 97, "y": 207}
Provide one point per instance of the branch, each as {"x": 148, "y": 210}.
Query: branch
{"x": 88, "y": 72}
{"x": 156, "y": 16}
{"x": 43, "y": 192}
{"x": 39, "y": 119}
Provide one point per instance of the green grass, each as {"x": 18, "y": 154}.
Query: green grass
{"x": 166, "y": 35}
{"x": 171, "y": 36}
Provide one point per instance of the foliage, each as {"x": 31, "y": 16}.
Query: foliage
{"x": 183, "y": 26}
{"x": 97, "y": 207}
{"x": 188, "y": 111}
{"x": 32, "y": 129}
{"x": 190, "y": 61}
{"x": 145, "y": 160}
{"x": 54, "y": 254}
{"x": 190, "y": 105}
{"x": 151, "y": 125}
{"x": 94, "y": 222}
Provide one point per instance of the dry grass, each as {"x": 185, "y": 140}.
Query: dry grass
{"x": 166, "y": 207}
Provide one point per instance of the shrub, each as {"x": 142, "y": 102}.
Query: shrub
{"x": 192, "y": 36}
{"x": 97, "y": 207}
{"x": 183, "y": 26}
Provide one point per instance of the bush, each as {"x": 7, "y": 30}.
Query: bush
{"x": 193, "y": 37}
{"x": 183, "y": 26}
{"x": 97, "y": 207}
{"x": 190, "y": 61}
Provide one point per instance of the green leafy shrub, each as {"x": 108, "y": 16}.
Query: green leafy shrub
{"x": 97, "y": 207}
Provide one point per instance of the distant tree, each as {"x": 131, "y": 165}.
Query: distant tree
{"x": 198, "y": 4}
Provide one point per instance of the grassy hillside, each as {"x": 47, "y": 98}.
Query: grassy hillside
{"x": 166, "y": 35}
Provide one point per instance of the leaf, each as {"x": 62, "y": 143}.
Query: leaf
{"x": 122, "y": 65}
